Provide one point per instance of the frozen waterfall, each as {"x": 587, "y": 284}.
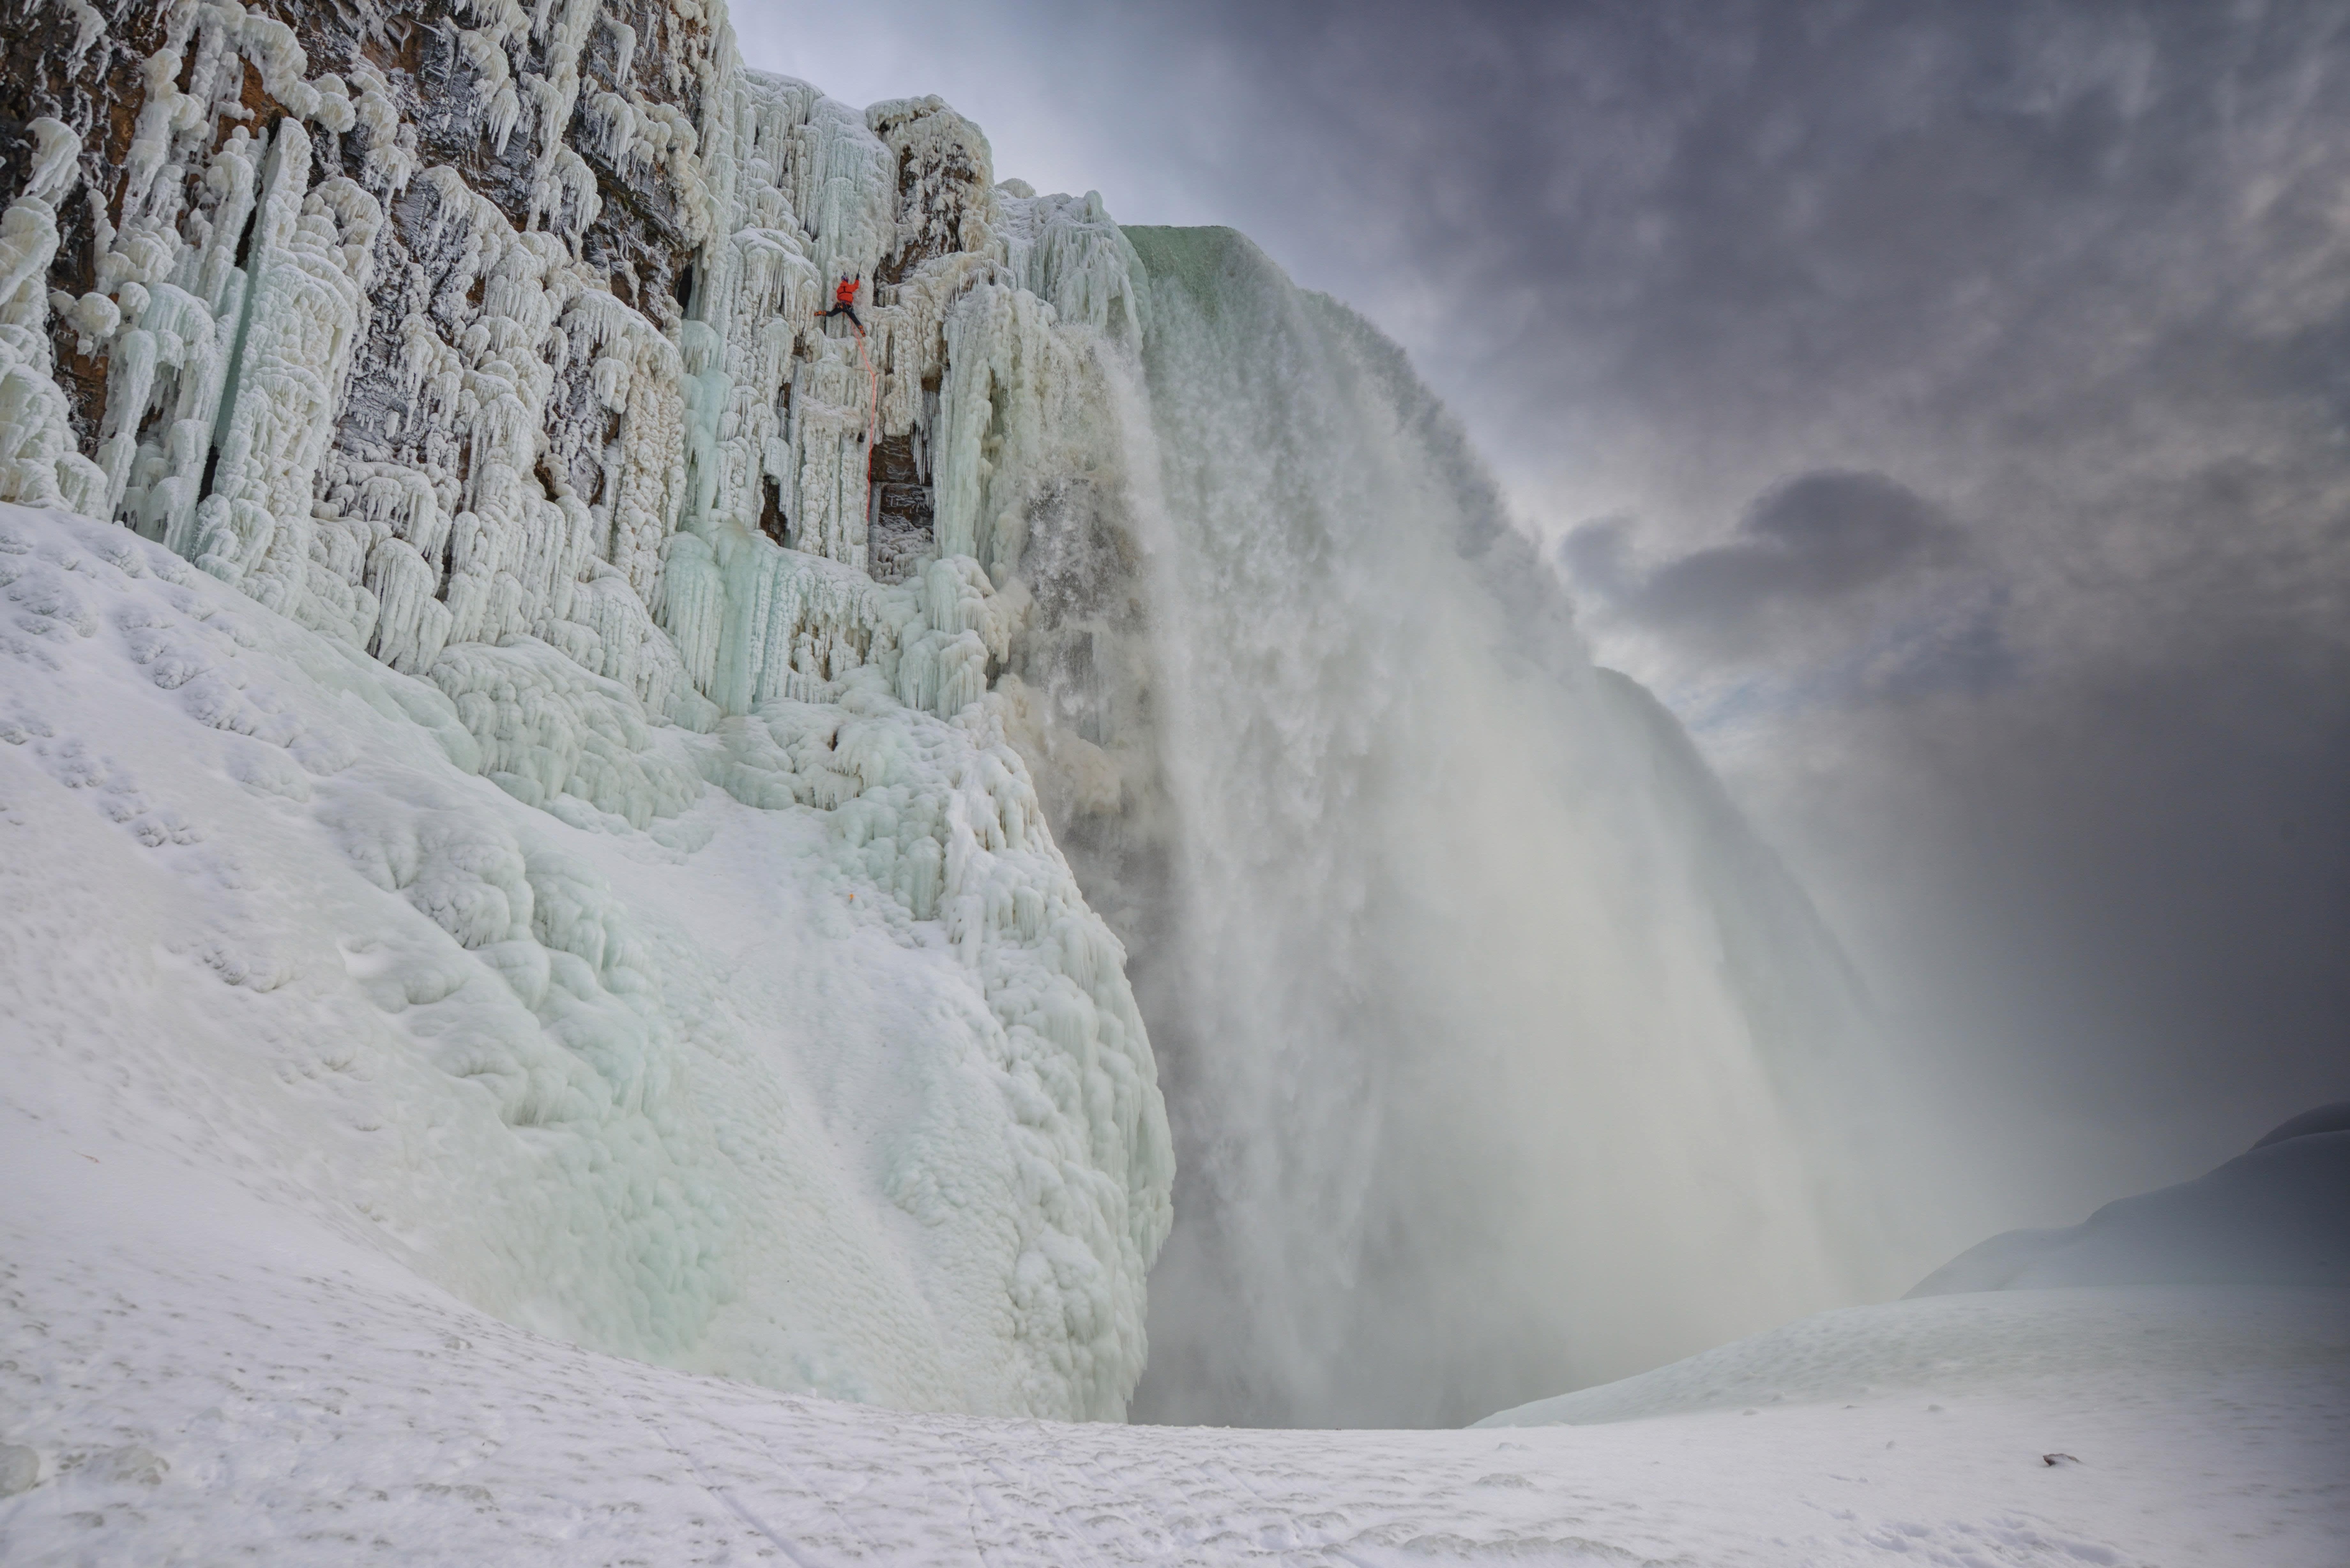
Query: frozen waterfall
{"x": 1493, "y": 1042}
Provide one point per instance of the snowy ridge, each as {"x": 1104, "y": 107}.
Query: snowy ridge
{"x": 2094, "y": 1342}
{"x": 2276, "y": 1215}
{"x": 835, "y": 1084}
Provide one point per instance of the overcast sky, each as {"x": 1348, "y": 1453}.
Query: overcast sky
{"x": 1945, "y": 408}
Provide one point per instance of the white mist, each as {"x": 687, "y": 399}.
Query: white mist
{"x": 1495, "y": 1044}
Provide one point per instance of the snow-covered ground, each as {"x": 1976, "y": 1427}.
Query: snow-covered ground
{"x": 203, "y": 1377}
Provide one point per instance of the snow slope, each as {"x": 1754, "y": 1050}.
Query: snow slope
{"x": 827, "y": 1078}
{"x": 2201, "y": 1333}
{"x": 2186, "y": 1276}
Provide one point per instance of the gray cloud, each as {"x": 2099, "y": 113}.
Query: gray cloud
{"x": 1807, "y": 541}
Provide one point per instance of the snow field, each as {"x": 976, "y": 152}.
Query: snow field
{"x": 195, "y": 1374}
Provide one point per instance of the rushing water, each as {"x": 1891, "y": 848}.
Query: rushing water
{"x": 1502, "y": 1058}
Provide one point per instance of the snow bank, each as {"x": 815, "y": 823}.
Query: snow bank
{"x": 2096, "y": 1343}
{"x": 835, "y": 1084}
{"x": 2234, "y": 1389}
{"x": 2203, "y": 1275}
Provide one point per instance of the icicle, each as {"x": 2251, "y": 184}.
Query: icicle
{"x": 55, "y": 171}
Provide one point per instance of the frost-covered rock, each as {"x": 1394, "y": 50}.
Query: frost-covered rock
{"x": 473, "y": 321}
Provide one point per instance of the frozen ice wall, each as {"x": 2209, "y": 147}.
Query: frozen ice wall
{"x": 480, "y": 321}
{"x": 476, "y": 344}
{"x": 1496, "y": 1044}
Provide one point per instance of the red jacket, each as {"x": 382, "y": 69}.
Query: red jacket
{"x": 846, "y": 293}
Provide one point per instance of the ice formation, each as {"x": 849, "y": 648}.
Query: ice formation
{"x": 827, "y": 1079}
{"x": 477, "y": 343}
{"x": 536, "y": 353}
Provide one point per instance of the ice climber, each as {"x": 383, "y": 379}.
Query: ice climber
{"x": 844, "y": 303}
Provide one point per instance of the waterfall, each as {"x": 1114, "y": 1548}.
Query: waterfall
{"x": 1494, "y": 1044}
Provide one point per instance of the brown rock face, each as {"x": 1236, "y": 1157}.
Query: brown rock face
{"x": 639, "y": 237}
{"x": 91, "y": 79}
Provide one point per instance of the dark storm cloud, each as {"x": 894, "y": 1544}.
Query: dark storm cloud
{"x": 1809, "y": 541}
{"x": 1747, "y": 225}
